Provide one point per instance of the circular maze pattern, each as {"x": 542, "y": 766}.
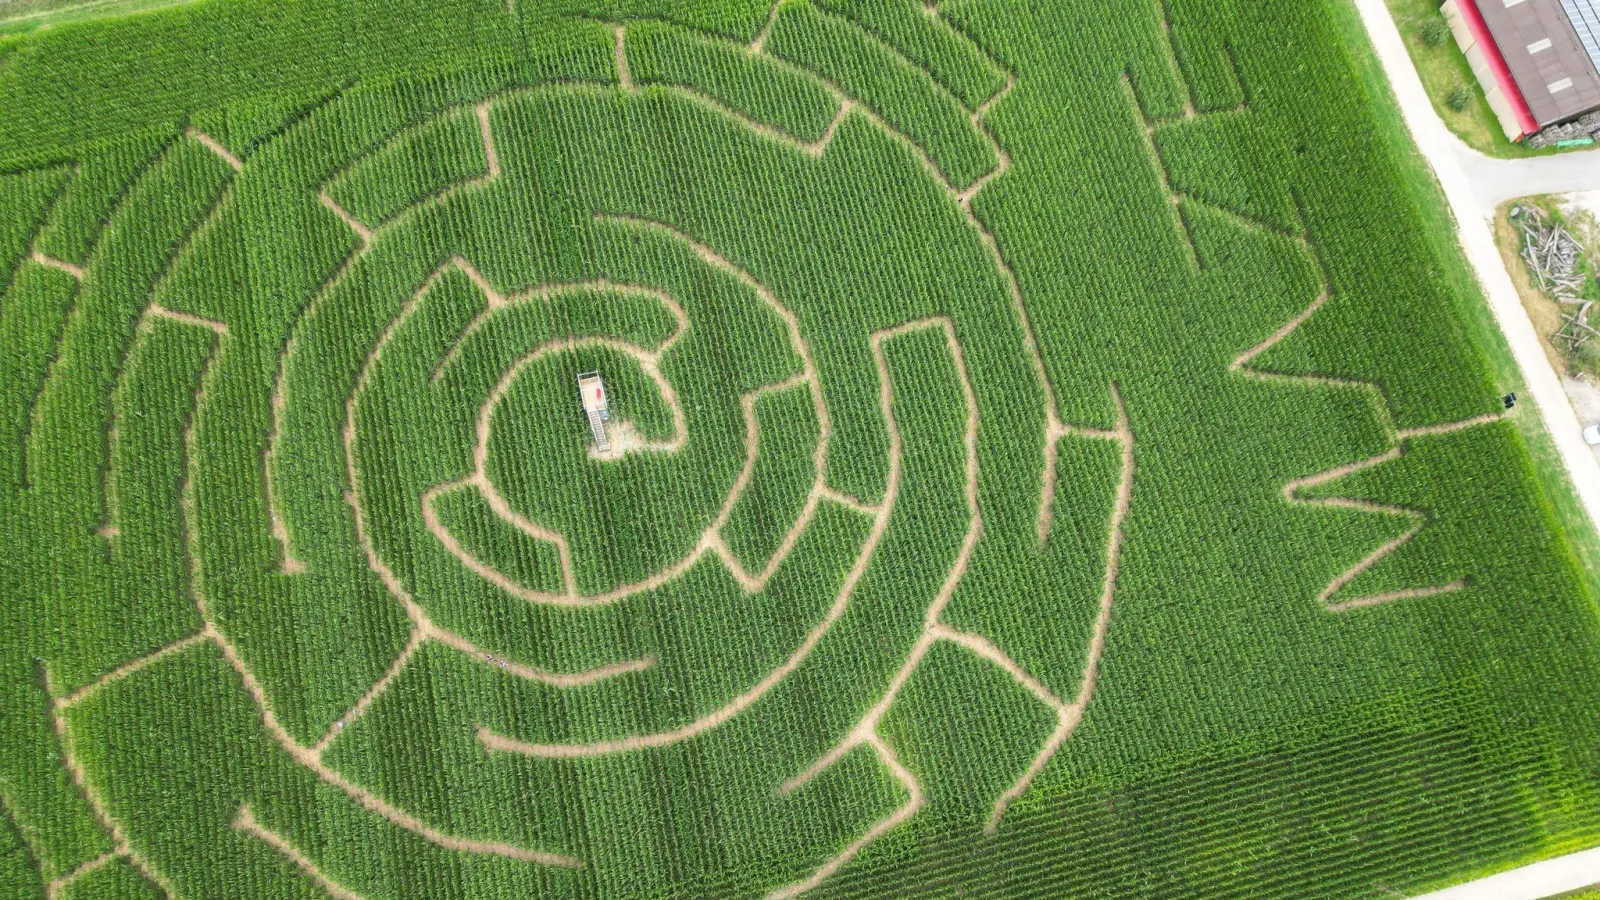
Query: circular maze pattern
{"x": 461, "y": 627}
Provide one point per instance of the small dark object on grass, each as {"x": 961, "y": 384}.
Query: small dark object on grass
{"x": 1435, "y": 32}
{"x": 1459, "y": 98}
{"x": 1510, "y": 399}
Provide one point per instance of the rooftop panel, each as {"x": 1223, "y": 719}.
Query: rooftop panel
{"x": 1585, "y": 18}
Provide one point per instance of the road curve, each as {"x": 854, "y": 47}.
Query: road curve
{"x": 1495, "y": 181}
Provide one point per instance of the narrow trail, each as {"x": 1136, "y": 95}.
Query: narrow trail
{"x": 914, "y": 803}
{"x": 1054, "y": 428}
{"x": 109, "y": 529}
{"x": 76, "y": 271}
{"x": 1243, "y": 363}
{"x": 756, "y": 582}
{"x": 56, "y": 887}
{"x": 867, "y": 730}
{"x": 423, "y": 630}
{"x": 419, "y": 635}
{"x": 1291, "y": 491}
{"x": 1470, "y": 203}
{"x": 495, "y": 742}
{"x": 246, "y": 822}
{"x": 649, "y": 361}
{"x": 1068, "y": 715}
{"x": 128, "y": 668}
{"x": 290, "y": 563}
{"x": 1418, "y": 518}
{"x": 212, "y": 144}
{"x": 423, "y": 627}
{"x": 1072, "y": 714}
{"x": 760, "y": 39}
{"x": 32, "y": 410}
{"x": 624, "y": 80}
{"x": 92, "y": 795}
{"x": 813, "y": 149}
{"x": 309, "y": 757}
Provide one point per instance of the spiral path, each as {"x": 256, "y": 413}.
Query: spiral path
{"x": 356, "y": 491}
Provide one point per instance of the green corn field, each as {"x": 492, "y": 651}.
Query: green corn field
{"x": 1056, "y": 451}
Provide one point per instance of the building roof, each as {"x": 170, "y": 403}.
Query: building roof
{"x": 1552, "y": 48}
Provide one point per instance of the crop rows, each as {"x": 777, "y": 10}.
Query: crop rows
{"x": 1030, "y": 437}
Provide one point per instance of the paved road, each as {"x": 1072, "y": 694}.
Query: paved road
{"x": 1474, "y": 185}
{"x": 1495, "y": 181}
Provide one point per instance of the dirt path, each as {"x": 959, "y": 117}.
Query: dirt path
{"x": 649, "y": 361}
{"x": 866, "y": 732}
{"x": 495, "y": 742}
{"x": 91, "y": 794}
{"x": 76, "y": 271}
{"x": 290, "y": 564}
{"x": 32, "y": 412}
{"x": 56, "y": 887}
{"x": 423, "y": 626}
{"x": 1053, "y": 428}
{"x": 310, "y": 757}
{"x": 766, "y": 27}
{"x": 246, "y": 822}
{"x": 624, "y": 80}
{"x": 914, "y": 803}
{"x": 212, "y": 144}
{"x": 1291, "y": 491}
{"x": 1419, "y": 518}
{"x": 1242, "y": 364}
{"x": 424, "y": 630}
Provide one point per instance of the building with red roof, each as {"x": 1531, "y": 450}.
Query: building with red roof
{"x": 1538, "y": 60}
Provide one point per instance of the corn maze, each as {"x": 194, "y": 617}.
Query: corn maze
{"x": 1053, "y": 451}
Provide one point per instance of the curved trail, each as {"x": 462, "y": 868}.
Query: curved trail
{"x": 1054, "y": 428}
{"x": 96, "y": 801}
{"x": 290, "y": 563}
{"x": 423, "y": 627}
{"x": 866, "y": 732}
{"x": 499, "y": 743}
{"x": 424, "y": 630}
{"x": 495, "y": 742}
{"x": 650, "y": 363}
{"x": 76, "y": 271}
{"x": 1068, "y": 715}
{"x": 310, "y": 757}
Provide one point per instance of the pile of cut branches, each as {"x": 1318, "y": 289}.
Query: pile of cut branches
{"x": 1555, "y": 258}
